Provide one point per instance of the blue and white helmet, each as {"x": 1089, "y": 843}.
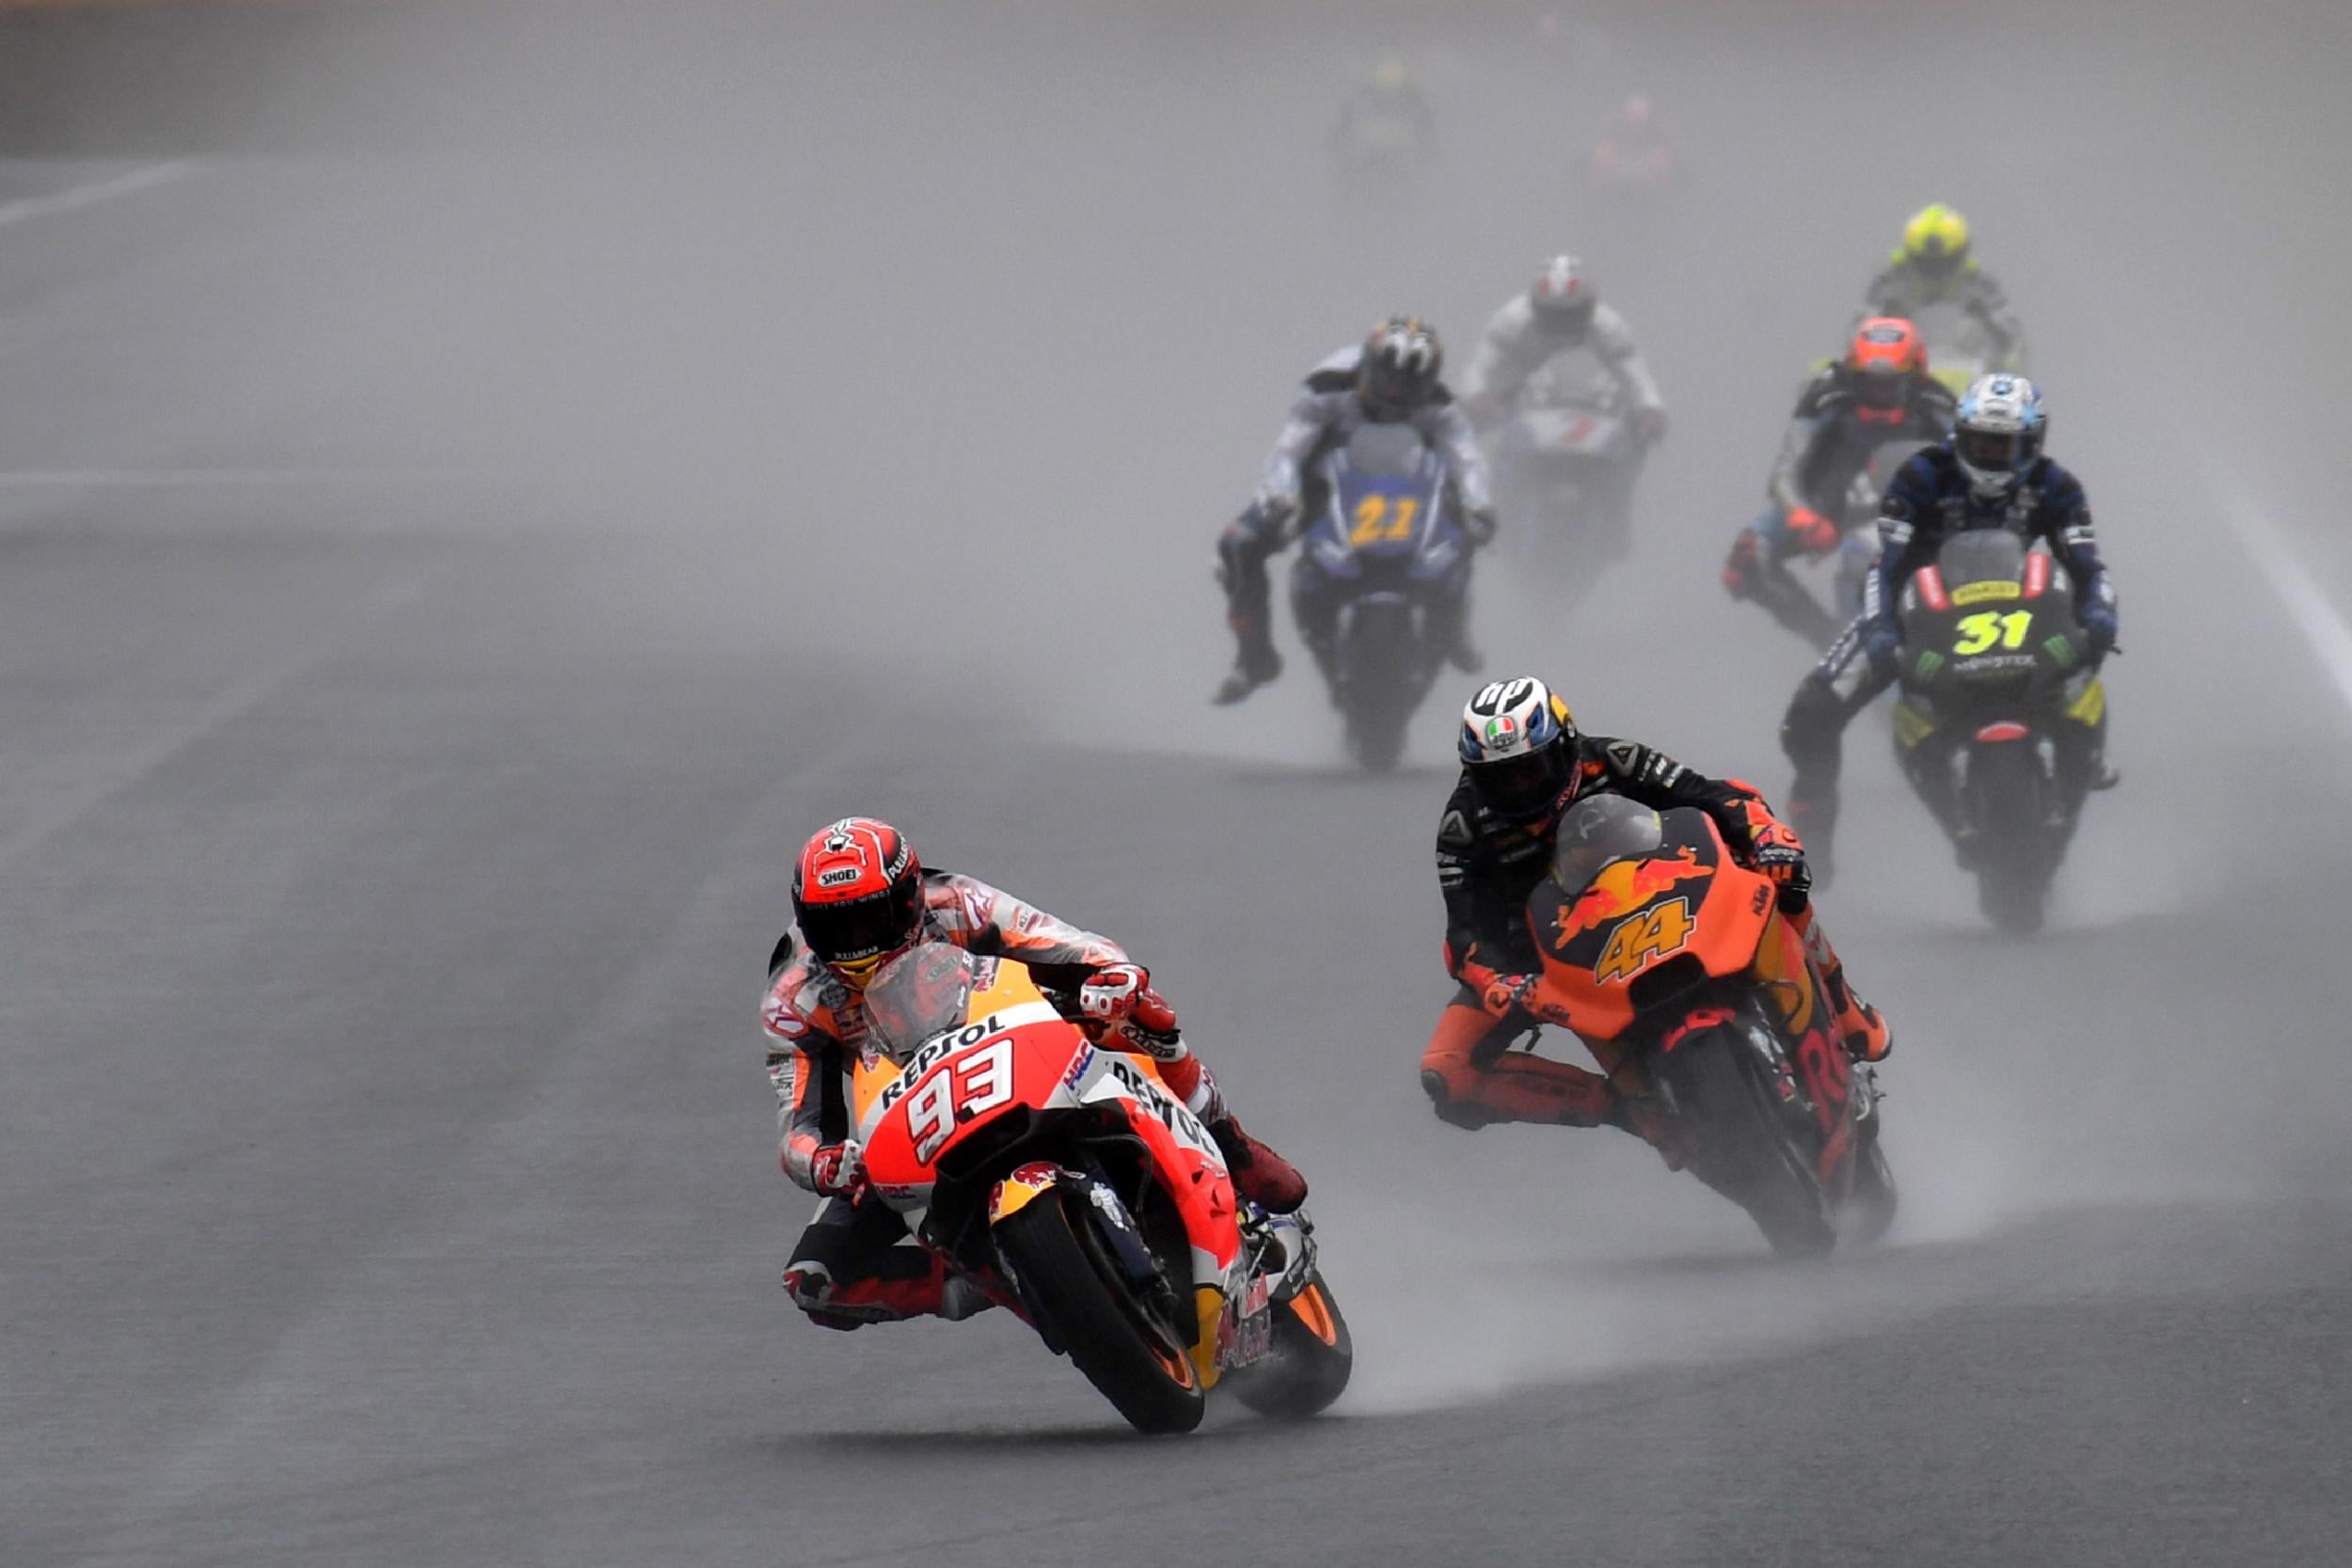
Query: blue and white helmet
{"x": 1999, "y": 431}
{"x": 1517, "y": 746}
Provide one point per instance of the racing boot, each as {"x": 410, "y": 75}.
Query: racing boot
{"x": 1643, "y": 1117}
{"x": 1256, "y": 664}
{"x": 1859, "y": 1025}
{"x": 1259, "y": 1175}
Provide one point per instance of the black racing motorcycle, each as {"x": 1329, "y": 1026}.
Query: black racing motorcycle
{"x": 2000, "y": 716}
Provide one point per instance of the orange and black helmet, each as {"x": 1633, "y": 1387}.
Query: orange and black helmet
{"x": 857, "y": 896}
{"x": 1884, "y": 361}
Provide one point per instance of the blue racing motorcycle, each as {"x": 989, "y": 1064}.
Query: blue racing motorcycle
{"x": 1381, "y": 582}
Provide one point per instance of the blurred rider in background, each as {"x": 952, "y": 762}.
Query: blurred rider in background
{"x": 859, "y": 899}
{"x": 1559, "y": 314}
{"x": 1879, "y": 395}
{"x": 1990, "y": 472}
{"x": 1393, "y": 376}
{"x": 1524, "y": 763}
{"x": 1933, "y": 269}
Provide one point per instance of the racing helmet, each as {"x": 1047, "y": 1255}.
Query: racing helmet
{"x": 1636, "y": 114}
{"x": 857, "y": 896}
{"x": 1518, "y": 748}
{"x": 1935, "y": 241}
{"x": 1884, "y": 362}
{"x": 1562, "y": 296}
{"x": 1999, "y": 433}
{"x": 1399, "y": 370}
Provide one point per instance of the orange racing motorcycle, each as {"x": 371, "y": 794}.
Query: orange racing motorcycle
{"x": 1025, "y": 1152}
{"x": 1675, "y": 965}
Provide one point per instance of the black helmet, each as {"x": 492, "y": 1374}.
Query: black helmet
{"x": 1399, "y": 370}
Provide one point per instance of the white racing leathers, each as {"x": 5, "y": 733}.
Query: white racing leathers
{"x": 1519, "y": 342}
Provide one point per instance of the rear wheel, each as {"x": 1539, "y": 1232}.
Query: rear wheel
{"x": 1138, "y": 1361}
{"x": 1747, "y": 1149}
{"x": 1310, "y": 1363}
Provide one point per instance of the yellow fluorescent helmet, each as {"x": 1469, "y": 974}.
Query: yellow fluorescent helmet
{"x": 1935, "y": 233}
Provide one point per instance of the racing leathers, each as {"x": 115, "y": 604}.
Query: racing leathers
{"x": 1832, "y": 438}
{"x": 1326, "y": 413}
{"x": 1929, "y": 500}
{"x": 1487, "y": 868}
{"x": 1530, "y": 358}
{"x": 1519, "y": 340}
{"x": 856, "y": 1263}
{"x": 1918, "y": 293}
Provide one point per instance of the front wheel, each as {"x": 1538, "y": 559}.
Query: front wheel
{"x": 1309, "y": 1366}
{"x": 1137, "y": 1361}
{"x": 1747, "y": 1149}
{"x": 2009, "y": 800}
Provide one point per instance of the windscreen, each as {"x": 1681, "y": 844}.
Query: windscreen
{"x": 917, "y": 994}
{"x": 1597, "y": 831}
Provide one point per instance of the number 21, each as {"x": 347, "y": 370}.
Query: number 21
{"x": 1375, "y": 525}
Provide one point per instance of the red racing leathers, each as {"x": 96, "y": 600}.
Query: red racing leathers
{"x": 856, "y": 1263}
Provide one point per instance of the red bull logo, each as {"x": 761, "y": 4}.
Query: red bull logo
{"x": 1623, "y": 887}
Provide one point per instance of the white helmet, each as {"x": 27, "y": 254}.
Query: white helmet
{"x": 1562, "y": 296}
{"x": 1998, "y": 433}
{"x": 1518, "y": 748}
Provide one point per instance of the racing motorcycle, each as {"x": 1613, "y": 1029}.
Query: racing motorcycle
{"x": 1390, "y": 540}
{"x": 1995, "y": 721}
{"x": 1565, "y": 464}
{"x": 1960, "y": 347}
{"x": 1032, "y": 1158}
{"x": 1675, "y": 965}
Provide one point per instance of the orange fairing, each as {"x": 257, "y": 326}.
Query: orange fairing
{"x": 1688, "y": 897}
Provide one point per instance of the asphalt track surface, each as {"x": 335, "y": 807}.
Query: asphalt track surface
{"x": 396, "y": 803}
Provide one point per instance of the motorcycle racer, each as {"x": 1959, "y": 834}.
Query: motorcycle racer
{"x": 859, "y": 898}
{"x": 1990, "y": 472}
{"x": 1559, "y": 314}
{"x": 1524, "y": 763}
{"x": 1392, "y": 377}
{"x": 1879, "y": 395}
{"x": 1932, "y": 268}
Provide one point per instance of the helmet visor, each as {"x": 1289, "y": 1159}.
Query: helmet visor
{"x": 2000, "y": 451}
{"x": 1879, "y": 387}
{"x": 1518, "y": 787}
{"x": 855, "y": 936}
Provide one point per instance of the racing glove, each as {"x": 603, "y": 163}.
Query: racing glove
{"x": 1478, "y": 522}
{"x": 1508, "y": 993}
{"x": 838, "y": 1170}
{"x": 1650, "y": 424}
{"x": 1814, "y": 531}
{"x": 1121, "y": 993}
{"x": 1883, "y": 645}
{"x": 2098, "y": 623}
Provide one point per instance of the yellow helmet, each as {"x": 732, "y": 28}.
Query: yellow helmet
{"x": 1935, "y": 240}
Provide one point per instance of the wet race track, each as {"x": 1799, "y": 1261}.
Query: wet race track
{"x": 437, "y": 596}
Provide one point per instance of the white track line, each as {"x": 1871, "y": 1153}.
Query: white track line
{"x": 2322, "y": 623}
{"x": 74, "y": 196}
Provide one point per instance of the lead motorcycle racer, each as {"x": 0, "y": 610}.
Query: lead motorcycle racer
{"x": 1524, "y": 762}
{"x": 859, "y": 898}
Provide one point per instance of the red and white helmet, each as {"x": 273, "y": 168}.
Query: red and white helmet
{"x": 1562, "y": 296}
{"x": 857, "y": 896}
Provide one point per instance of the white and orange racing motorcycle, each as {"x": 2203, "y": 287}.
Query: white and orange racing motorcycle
{"x": 1025, "y": 1153}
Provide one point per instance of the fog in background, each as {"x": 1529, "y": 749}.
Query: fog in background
{"x": 781, "y": 412}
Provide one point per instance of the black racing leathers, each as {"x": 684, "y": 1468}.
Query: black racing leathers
{"x": 1488, "y": 867}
